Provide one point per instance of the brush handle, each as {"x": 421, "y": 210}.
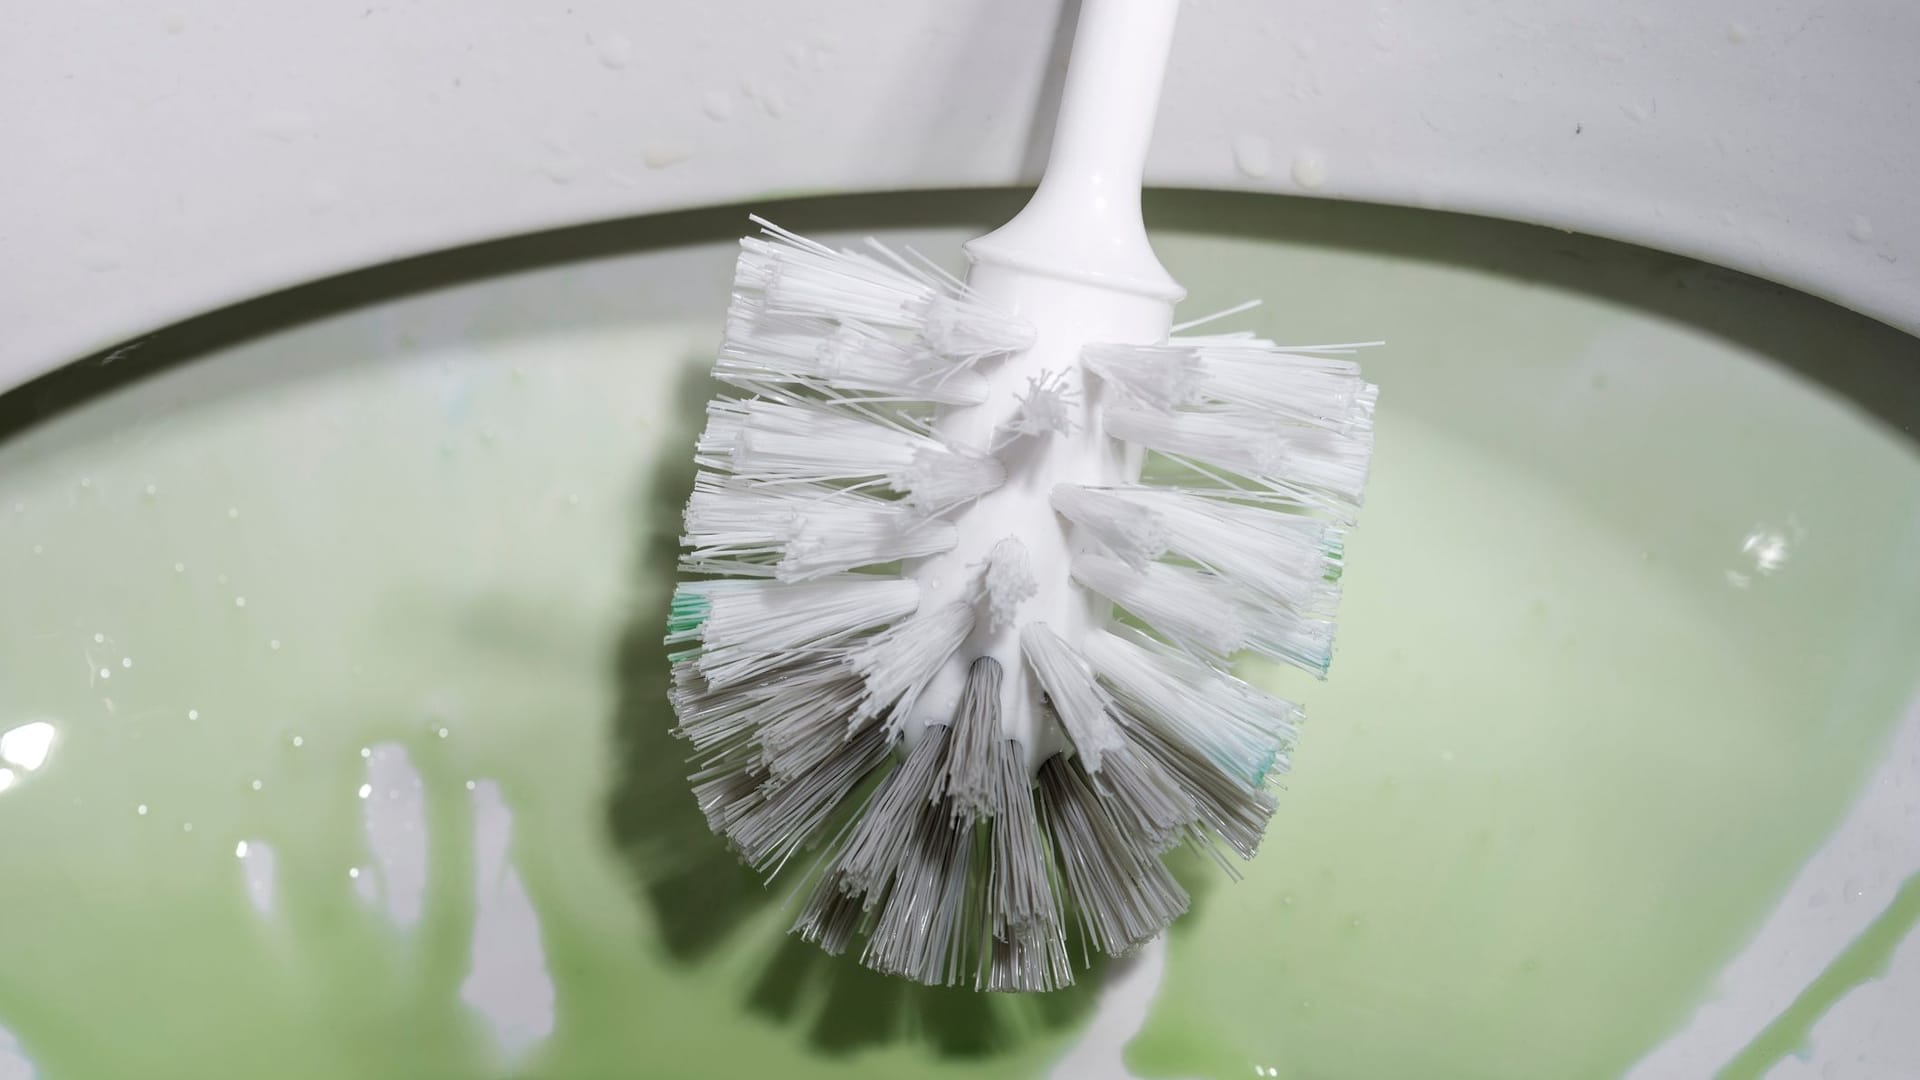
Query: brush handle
{"x": 1083, "y": 223}
{"x": 1076, "y": 266}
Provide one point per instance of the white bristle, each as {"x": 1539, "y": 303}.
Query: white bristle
{"x": 1145, "y": 800}
{"x": 798, "y": 532}
{"x": 1076, "y": 697}
{"x": 747, "y": 628}
{"x": 1006, "y": 581}
{"x": 1161, "y": 378}
{"x": 846, "y": 358}
{"x": 1245, "y": 732}
{"x": 896, "y": 665}
{"x": 956, "y": 326}
{"x": 1023, "y": 761}
{"x": 1181, "y": 604}
{"x": 939, "y": 477}
{"x": 796, "y": 276}
{"x": 1287, "y": 457}
{"x": 1301, "y": 385}
{"x": 781, "y": 442}
{"x": 1046, "y": 407}
{"x": 1132, "y": 531}
{"x": 1285, "y": 557}
{"x": 1210, "y": 616}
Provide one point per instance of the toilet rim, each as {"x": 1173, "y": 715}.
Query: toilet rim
{"x": 1773, "y": 142}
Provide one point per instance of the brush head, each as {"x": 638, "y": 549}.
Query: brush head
{"x": 864, "y": 606}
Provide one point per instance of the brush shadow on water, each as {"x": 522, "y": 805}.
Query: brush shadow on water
{"x": 699, "y": 894}
{"x": 697, "y": 891}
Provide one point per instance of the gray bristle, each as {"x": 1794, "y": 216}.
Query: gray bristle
{"x": 1029, "y": 950}
{"x": 830, "y": 917}
{"x": 1146, "y": 799}
{"x": 954, "y": 870}
{"x": 775, "y": 757}
{"x": 946, "y": 863}
{"x": 968, "y": 775}
{"x": 786, "y": 814}
{"x": 1121, "y": 893}
{"x": 882, "y": 839}
{"x": 1236, "y": 814}
{"x": 915, "y": 935}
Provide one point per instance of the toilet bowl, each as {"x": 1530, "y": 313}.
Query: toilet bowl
{"x": 342, "y": 439}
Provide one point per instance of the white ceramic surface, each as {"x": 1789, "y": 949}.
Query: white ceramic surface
{"x": 167, "y": 158}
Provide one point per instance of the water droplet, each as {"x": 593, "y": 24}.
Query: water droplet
{"x": 616, "y": 51}
{"x": 38, "y": 550}
{"x": 775, "y": 104}
{"x": 1852, "y": 890}
{"x": 220, "y": 580}
{"x": 442, "y": 733}
{"x": 366, "y": 790}
{"x": 274, "y": 644}
{"x": 573, "y": 498}
{"x": 353, "y": 871}
{"x": 1286, "y": 900}
{"x": 187, "y": 827}
{"x": 564, "y": 170}
{"x": 1354, "y": 923}
{"x": 1253, "y": 156}
{"x": 239, "y": 601}
{"x": 141, "y": 809}
{"x": 469, "y": 785}
{"x": 298, "y": 742}
{"x": 366, "y": 752}
{"x": 86, "y": 481}
{"x": 1737, "y": 33}
{"x": 718, "y": 105}
{"x": 664, "y": 155}
{"x": 257, "y": 785}
{"x": 99, "y": 639}
{"x": 1860, "y": 229}
{"x": 152, "y": 490}
{"x": 106, "y": 673}
{"x": 1309, "y": 168}
{"x": 126, "y": 662}
{"x": 240, "y": 850}
{"x": 233, "y": 513}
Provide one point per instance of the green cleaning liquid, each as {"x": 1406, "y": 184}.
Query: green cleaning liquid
{"x": 1614, "y": 656}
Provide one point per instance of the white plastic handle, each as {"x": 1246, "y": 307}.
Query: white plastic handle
{"x": 1084, "y": 221}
